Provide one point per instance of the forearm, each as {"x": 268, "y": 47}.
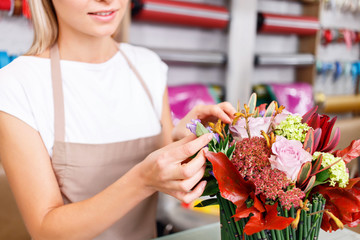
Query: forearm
{"x": 89, "y": 218}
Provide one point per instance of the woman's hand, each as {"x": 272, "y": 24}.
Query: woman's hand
{"x": 170, "y": 169}
{"x": 206, "y": 113}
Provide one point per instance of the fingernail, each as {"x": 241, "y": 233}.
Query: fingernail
{"x": 210, "y": 136}
{"x": 204, "y": 182}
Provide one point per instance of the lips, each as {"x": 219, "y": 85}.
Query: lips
{"x": 104, "y": 16}
{"x": 105, "y": 13}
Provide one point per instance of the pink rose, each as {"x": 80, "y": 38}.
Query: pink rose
{"x": 288, "y": 156}
{"x": 255, "y": 125}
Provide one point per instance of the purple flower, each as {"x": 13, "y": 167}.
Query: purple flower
{"x": 262, "y": 113}
{"x": 216, "y": 136}
{"x": 192, "y": 126}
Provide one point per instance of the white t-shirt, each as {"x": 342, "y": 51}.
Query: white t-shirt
{"x": 104, "y": 102}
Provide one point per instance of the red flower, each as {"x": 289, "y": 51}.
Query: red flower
{"x": 349, "y": 153}
{"x": 344, "y": 203}
{"x": 271, "y": 221}
{"x": 321, "y": 123}
{"x": 235, "y": 189}
{"x": 231, "y": 185}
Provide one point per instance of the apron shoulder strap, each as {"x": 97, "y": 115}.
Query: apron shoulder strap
{"x": 136, "y": 72}
{"x": 58, "y": 95}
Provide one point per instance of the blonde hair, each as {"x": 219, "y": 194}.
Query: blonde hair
{"x": 45, "y": 25}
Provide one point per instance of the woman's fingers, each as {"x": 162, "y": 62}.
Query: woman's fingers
{"x": 184, "y": 151}
{"x": 228, "y": 108}
{"x": 185, "y": 185}
{"x": 188, "y": 197}
{"x": 224, "y": 111}
{"x": 188, "y": 169}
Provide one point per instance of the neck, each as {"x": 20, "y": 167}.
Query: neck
{"x": 87, "y": 49}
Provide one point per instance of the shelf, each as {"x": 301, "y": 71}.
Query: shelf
{"x": 284, "y": 60}
{"x": 191, "y": 57}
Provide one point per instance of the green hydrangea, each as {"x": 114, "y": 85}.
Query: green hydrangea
{"x": 338, "y": 172}
{"x": 292, "y": 128}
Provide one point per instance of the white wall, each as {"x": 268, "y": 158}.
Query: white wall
{"x": 15, "y": 34}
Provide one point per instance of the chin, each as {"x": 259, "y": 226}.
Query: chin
{"x": 104, "y": 32}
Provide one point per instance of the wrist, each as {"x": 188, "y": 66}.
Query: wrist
{"x": 141, "y": 181}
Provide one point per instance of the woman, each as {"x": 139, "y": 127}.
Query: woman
{"x": 79, "y": 136}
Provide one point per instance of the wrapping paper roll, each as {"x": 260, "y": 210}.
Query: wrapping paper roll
{"x": 338, "y": 104}
{"x": 5, "y": 5}
{"x": 275, "y": 23}
{"x": 284, "y": 59}
{"x": 26, "y": 9}
{"x": 183, "y": 13}
{"x": 191, "y": 57}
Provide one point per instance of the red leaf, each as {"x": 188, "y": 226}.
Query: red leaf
{"x": 316, "y": 166}
{"x": 308, "y": 115}
{"x": 326, "y": 128}
{"x": 317, "y": 137}
{"x": 231, "y": 185}
{"x": 271, "y": 222}
{"x": 309, "y": 141}
{"x": 314, "y": 121}
{"x": 334, "y": 142}
{"x": 344, "y": 203}
{"x": 349, "y": 153}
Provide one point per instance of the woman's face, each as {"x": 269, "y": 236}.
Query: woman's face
{"x": 95, "y": 18}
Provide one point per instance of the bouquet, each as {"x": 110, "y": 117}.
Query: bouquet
{"x": 276, "y": 175}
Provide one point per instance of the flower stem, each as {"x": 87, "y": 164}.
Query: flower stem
{"x": 229, "y": 220}
{"x": 263, "y": 235}
{"x": 224, "y": 227}
{"x": 237, "y": 223}
{"x": 292, "y": 214}
{"x": 321, "y": 207}
{"x": 301, "y": 226}
{"x": 305, "y": 228}
{"x": 273, "y": 235}
{"x": 287, "y": 229}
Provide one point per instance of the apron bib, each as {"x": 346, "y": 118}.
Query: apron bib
{"x": 83, "y": 170}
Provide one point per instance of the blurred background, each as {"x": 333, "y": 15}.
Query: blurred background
{"x": 300, "y": 53}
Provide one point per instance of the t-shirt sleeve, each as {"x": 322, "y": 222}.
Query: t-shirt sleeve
{"x": 13, "y": 98}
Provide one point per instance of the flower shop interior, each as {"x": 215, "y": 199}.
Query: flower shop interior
{"x": 300, "y": 53}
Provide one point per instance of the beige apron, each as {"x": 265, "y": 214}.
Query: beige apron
{"x": 83, "y": 170}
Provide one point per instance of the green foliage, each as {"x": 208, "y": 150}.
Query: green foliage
{"x": 207, "y": 202}
{"x": 323, "y": 176}
{"x": 252, "y": 103}
{"x": 201, "y": 130}
{"x": 224, "y": 145}
{"x": 304, "y": 173}
{"x": 211, "y": 188}
{"x": 270, "y": 110}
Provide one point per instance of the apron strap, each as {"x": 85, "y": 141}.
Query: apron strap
{"x": 58, "y": 95}
{"x": 137, "y": 74}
